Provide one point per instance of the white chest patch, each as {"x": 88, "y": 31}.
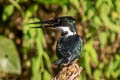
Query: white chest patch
{"x": 64, "y": 29}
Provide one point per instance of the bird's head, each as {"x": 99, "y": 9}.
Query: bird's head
{"x": 65, "y": 24}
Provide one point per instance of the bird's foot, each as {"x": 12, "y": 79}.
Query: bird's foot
{"x": 62, "y": 61}
{"x": 58, "y": 62}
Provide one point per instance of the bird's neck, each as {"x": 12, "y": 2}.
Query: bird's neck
{"x": 68, "y": 33}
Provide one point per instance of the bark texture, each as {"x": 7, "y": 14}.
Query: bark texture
{"x": 69, "y": 72}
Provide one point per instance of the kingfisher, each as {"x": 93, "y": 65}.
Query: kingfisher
{"x": 69, "y": 45}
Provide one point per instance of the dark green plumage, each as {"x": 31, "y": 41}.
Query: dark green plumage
{"x": 68, "y": 49}
{"x": 69, "y": 46}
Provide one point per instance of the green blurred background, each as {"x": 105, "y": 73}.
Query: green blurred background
{"x": 29, "y": 54}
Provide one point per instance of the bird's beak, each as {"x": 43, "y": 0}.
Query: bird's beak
{"x": 47, "y": 24}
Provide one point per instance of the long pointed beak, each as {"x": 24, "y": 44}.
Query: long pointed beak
{"x": 44, "y": 22}
{"x": 48, "y": 24}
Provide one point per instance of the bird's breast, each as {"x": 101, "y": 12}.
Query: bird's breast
{"x": 68, "y": 43}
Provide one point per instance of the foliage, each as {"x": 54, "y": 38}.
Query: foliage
{"x": 97, "y": 20}
{"x": 41, "y": 60}
{"x": 9, "y": 59}
{"x": 6, "y": 14}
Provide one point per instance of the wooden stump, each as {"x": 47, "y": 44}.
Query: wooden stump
{"x": 70, "y": 72}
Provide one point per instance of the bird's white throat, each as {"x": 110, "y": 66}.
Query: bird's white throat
{"x": 67, "y": 29}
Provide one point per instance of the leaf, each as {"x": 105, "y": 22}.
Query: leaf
{"x": 109, "y": 3}
{"x": 87, "y": 57}
{"x": 116, "y": 73}
{"x": 87, "y": 65}
{"x": 58, "y": 2}
{"x": 98, "y": 3}
{"x": 9, "y": 58}
{"x": 91, "y": 13}
{"x": 109, "y": 69}
{"x": 47, "y": 61}
{"x": 75, "y": 3}
{"x": 82, "y": 77}
{"x": 32, "y": 9}
{"x": 97, "y": 74}
{"x": 36, "y": 74}
{"x": 71, "y": 12}
{"x": 117, "y": 57}
{"x": 93, "y": 55}
{"x": 107, "y": 73}
{"x": 114, "y": 15}
{"x": 107, "y": 22}
{"x": 91, "y": 51}
{"x": 21, "y": 1}
{"x": 113, "y": 37}
{"x": 8, "y": 11}
{"x": 97, "y": 20}
{"x": 41, "y": 36}
{"x": 46, "y": 75}
{"x": 103, "y": 38}
{"x": 101, "y": 65}
{"x": 117, "y": 5}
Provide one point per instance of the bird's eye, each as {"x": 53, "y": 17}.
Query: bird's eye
{"x": 58, "y": 20}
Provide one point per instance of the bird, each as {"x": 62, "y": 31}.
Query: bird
{"x": 69, "y": 45}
